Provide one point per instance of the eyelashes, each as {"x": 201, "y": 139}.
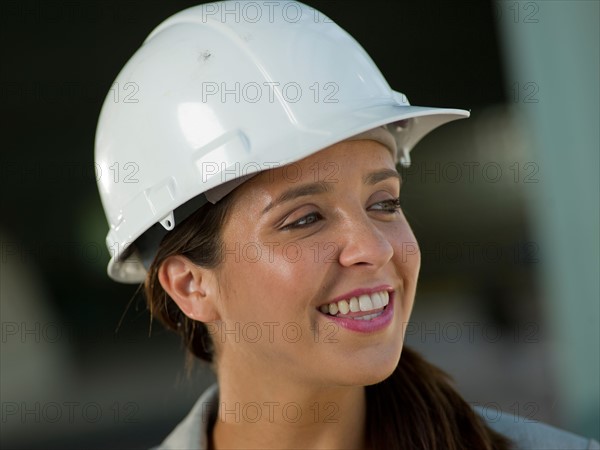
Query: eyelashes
{"x": 304, "y": 221}
{"x": 390, "y": 206}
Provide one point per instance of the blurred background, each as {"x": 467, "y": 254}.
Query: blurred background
{"x": 505, "y": 206}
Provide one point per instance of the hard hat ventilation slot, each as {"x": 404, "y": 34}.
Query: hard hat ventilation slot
{"x": 168, "y": 222}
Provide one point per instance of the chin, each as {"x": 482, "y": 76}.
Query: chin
{"x": 371, "y": 369}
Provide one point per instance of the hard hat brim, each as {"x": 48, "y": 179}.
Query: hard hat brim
{"x": 127, "y": 267}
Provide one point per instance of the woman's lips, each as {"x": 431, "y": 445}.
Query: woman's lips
{"x": 358, "y": 300}
{"x": 368, "y": 321}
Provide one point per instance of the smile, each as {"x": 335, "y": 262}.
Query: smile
{"x": 363, "y": 310}
{"x": 373, "y": 303}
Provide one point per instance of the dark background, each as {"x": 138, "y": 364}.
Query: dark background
{"x": 60, "y": 59}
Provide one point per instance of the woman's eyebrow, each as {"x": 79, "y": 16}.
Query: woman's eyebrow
{"x": 321, "y": 187}
{"x": 318, "y": 187}
{"x": 380, "y": 175}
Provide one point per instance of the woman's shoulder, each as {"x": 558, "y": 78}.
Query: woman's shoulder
{"x": 529, "y": 434}
{"x": 526, "y": 434}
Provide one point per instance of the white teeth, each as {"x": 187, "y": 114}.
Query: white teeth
{"x": 333, "y": 309}
{"x": 365, "y": 303}
{"x": 377, "y": 301}
{"x": 344, "y": 306}
{"x": 369, "y": 316}
{"x": 362, "y": 303}
{"x": 385, "y": 296}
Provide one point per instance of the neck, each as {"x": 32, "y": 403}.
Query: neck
{"x": 271, "y": 414}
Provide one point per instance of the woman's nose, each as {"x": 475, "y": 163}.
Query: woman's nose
{"x": 362, "y": 242}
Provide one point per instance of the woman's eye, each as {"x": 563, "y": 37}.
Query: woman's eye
{"x": 304, "y": 221}
{"x": 389, "y": 206}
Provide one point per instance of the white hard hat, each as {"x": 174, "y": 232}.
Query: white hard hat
{"x": 224, "y": 90}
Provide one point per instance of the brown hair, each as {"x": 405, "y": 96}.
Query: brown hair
{"x": 415, "y": 408}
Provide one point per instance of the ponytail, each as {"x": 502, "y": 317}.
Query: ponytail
{"x": 417, "y": 408}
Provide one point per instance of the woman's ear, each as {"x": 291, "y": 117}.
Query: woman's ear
{"x": 193, "y": 288}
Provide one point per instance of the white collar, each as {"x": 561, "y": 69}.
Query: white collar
{"x": 193, "y": 431}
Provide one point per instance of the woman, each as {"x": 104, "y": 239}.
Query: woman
{"x": 263, "y": 216}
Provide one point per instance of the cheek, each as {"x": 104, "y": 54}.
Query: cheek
{"x": 258, "y": 281}
{"x": 407, "y": 255}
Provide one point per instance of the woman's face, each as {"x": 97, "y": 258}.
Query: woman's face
{"x": 298, "y": 237}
